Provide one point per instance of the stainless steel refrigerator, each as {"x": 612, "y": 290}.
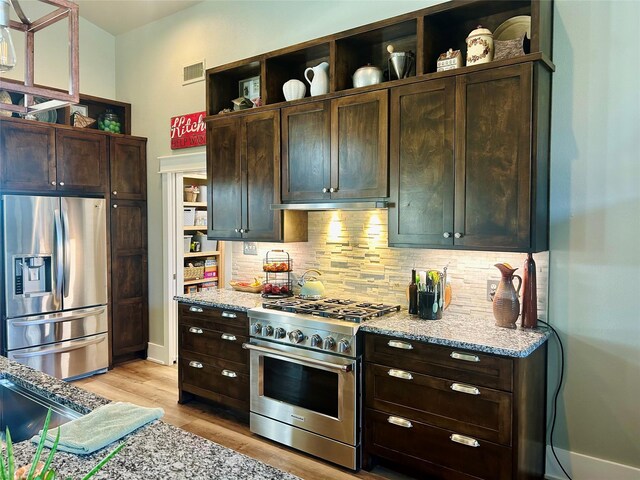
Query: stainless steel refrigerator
{"x": 54, "y": 305}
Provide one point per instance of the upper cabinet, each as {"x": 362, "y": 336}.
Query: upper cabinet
{"x": 128, "y": 164}
{"x": 82, "y": 162}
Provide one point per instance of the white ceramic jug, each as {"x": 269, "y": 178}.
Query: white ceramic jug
{"x": 320, "y": 82}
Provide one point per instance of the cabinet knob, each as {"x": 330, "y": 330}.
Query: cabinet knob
{"x": 457, "y": 235}
{"x": 325, "y": 190}
{"x": 62, "y": 184}
{"x": 446, "y": 234}
{"x": 115, "y": 192}
{"x": 53, "y": 183}
{"x": 237, "y": 230}
{"x": 333, "y": 189}
{"x": 115, "y": 205}
{"x": 242, "y": 230}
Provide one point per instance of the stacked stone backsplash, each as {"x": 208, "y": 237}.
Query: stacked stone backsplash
{"x": 350, "y": 249}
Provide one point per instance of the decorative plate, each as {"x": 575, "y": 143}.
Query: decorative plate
{"x": 50, "y": 116}
{"x": 513, "y": 28}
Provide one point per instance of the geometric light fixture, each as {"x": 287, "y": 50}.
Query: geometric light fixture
{"x": 55, "y": 97}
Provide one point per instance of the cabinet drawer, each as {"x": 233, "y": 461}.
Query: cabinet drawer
{"x": 468, "y": 409}
{"x": 445, "y": 362}
{"x": 433, "y": 450}
{"x": 229, "y": 321}
{"x": 214, "y": 343}
{"x": 220, "y": 381}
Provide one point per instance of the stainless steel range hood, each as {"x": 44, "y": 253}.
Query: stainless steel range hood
{"x": 320, "y": 206}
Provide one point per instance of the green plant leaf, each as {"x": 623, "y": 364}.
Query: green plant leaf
{"x": 43, "y": 437}
{"x": 54, "y": 447}
{"x": 10, "y": 459}
{"x": 102, "y": 463}
{"x": 3, "y": 469}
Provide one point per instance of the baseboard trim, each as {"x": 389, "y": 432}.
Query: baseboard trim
{"x": 157, "y": 353}
{"x": 584, "y": 467}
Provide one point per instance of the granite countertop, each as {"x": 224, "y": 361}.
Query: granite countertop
{"x": 462, "y": 331}
{"x": 157, "y": 450}
{"x": 229, "y": 299}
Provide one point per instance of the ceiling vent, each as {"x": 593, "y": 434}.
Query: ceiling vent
{"x": 193, "y": 73}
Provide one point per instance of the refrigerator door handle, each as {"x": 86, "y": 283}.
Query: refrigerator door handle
{"x": 44, "y": 319}
{"x": 74, "y": 346}
{"x": 67, "y": 259}
{"x": 59, "y": 251}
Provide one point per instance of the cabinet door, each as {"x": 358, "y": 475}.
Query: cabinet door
{"x": 128, "y": 166}
{"x": 27, "y": 157}
{"x": 261, "y": 176}
{"x": 225, "y": 179}
{"x": 81, "y": 161}
{"x": 130, "y": 327}
{"x": 306, "y": 152}
{"x": 493, "y": 158}
{"x": 421, "y": 173}
{"x": 359, "y": 142}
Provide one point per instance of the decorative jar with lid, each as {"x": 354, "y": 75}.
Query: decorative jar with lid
{"x": 479, "y": 46}
{"x": 109, "y": 122}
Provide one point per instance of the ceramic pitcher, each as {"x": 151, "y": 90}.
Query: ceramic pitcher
{"x": 320, "y": 82}
{"x": 506, "y": 305}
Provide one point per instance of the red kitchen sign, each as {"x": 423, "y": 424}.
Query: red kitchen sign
{"x": 188, "y": 131}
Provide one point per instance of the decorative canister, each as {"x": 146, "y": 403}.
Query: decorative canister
{"x": 109, "y": 122}
{"x": 479, "y": 46}
{"x": 294, "y": 90}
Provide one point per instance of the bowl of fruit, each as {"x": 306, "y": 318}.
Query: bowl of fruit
{"x": 249, "y": 287}
{"x": 276, "y": 266}
{"x": 277, "y": 290}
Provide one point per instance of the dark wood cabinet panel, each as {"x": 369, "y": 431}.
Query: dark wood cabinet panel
{"x": 493, "y": 158}
{"x": 422, "y": 163}
{"x": 359, "y": 146}
{"x": 81, "y": 161}
{"x": 224, "y": 171}
{"x": 128, "y": 166}
{"x": 129, "y": 279}
{"x": 306, "y": 152}
{"x": 27, "y": 157}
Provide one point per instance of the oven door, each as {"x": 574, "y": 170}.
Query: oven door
{"x": 306, "y": 389}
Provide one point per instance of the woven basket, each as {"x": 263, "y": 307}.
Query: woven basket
{"x": 193, "y": 273}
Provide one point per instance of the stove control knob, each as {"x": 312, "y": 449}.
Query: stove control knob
{"x": 267, "y": 331}
{"x": 329, "y": 343}
{"x": 257, "y": 328}
{"x": 279, "y": 333}
{"x": 316, "y": 341}
{"x": 344, "y": 346}
{"x": 296, "y": 336}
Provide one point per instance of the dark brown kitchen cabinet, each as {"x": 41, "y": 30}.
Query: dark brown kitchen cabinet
{"x": 81, "y": 161}
{"x": 243, "y": 167}
{"x": 454, "y": 414}
{"x": 129, "y": 280}
{"x": 128, "y": 165}
{"x": 212, "y": 363}
{"x": 27, "y": 157}
{"x": 469, "y": 161}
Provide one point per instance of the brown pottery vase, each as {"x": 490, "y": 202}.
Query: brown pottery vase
{"x": 506, "y": 306}
{"x": 529, "y": 294}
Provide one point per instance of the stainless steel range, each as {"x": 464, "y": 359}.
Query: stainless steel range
{"x": 305, "y": 371}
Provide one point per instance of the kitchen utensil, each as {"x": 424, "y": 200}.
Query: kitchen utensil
{"x": 529, "y": 294}
{"x": 320, "y": 82}
{"x": 294, "y": 90}
{"x": 479, "y": 46}
{"x": 400, "y": 62}
{"x": 367, "y": 75}
{"x": 311, "y": 286}
{"x": 506, "y": 305}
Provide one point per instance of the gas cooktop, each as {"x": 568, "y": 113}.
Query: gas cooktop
{"x": 336, "y": 308}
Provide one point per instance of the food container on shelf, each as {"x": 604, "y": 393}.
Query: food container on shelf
{"x": 187, "y": 243}
{"x": 191, "y": 193}
{"x": 202, "y": 195}
{"x": 200, "y": 218}
{"x": 109, "y": 122}
{"x": 189, "y": 216}
{"x": 206, "y": 244}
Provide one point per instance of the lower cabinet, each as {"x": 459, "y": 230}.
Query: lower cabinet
{"x": 454, "y": 414}
{"x": 213, "y": 364}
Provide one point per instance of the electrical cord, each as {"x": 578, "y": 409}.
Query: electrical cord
{"x": 555, "y": 398}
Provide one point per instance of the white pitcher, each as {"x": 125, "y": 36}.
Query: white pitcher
{"x": 320, "y": 82}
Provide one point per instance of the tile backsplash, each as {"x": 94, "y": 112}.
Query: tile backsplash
{"x": 350, "y": 249}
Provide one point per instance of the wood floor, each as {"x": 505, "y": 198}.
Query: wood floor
{"x": 149, "y": 384}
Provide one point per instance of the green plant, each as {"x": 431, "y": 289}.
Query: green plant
{"x": 8, "y": 467}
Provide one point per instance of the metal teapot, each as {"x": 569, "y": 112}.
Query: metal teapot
{"x": 312, "y": 288}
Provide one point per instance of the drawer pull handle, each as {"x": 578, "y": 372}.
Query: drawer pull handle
{"x": 195, "y": 309}
{"x": 398, "y": 344}
{"x": 195, "y": 330}
{"x": 465, "y": 356}
{"x": 229, "y": 315}
{"x": 462, "y": 388}
{"x": 229, "y": 373}
{"x": 401, "y": 422}
{"x": 468, "y": 441}
{"x": 195, "y": 364}
{"x": 400, "y": 374}
{"x": 226, "y": 336}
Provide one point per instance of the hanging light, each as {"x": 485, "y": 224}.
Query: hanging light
{"x": 7, "y": 50}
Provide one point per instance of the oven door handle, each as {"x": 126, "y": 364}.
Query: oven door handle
{"x": 299, "y": 358}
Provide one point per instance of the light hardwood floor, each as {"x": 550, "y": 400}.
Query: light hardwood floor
{"x": 149, "y": 384}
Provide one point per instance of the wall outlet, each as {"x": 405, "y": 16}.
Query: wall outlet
{"x": 492, "y": 286}
{"x": 250, "y": 248}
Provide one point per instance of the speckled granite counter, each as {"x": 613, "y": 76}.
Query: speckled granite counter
{"x": 229, "y": 299}
{"x": 461, "y": 331}
{"x": 155, "y": 451}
